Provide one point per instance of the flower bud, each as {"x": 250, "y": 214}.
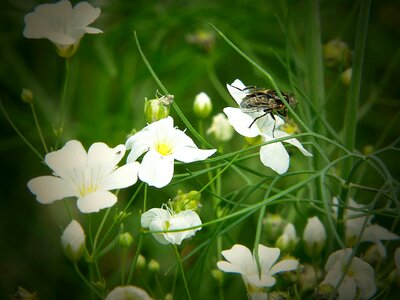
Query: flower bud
{"x": 23, "y": 294}
{"x": 157, "y": 109}
{"x": 314, "y": 236}
{"x": 125, "y": 240}
{"x": 336, "y": 52}
{"x": 202, "y": 105}
{"x": 73, "y": 241}
{"x": 346, "y": 76}
{"x": 273, "y": 226}
{"x": 324, "y": 291}
{"x": 169, "y": 296}
{"x": 188, "y": 201}
{"x": 220, "y": 128}
{"x": 128, "y": 292}
{"x": 287, "y": 241}
{"x": 154, "y": 266}
{"x": 141, "y": 262}
{"x": 27, "y": 96}
{"x": 203, "y": 39}
{"x": 67, "y": 51}
{"x": 218, "y": 276}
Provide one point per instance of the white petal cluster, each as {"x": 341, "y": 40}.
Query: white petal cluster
{"x": 159, "y": 219}
{"x": 357, "y": 217}
{"x": 273, "y": 155}
{"x": 87, "y": 176}
{"x": 241, "y": 260}
{"x": 163, "y": 143}
{"x": 359, "y": 275}
{"x": 61, "y": 24}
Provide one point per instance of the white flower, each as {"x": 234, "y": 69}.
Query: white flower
{"x": 220, "y": 128}
{"x": 61, "y": 24}
{"x": 158, "y": 219}
{"x": 241, "y": 260}
{"x": 163, "y": 143}
{"x": 128, "y": 292}
{"x": 272, "y": 155}
{"x": 314, "y": 236}
{"x": 287, "y": 241}
{"x": 73, "y": 241}
{"x": 87, "y": 176}
{"x": 355, "y": 215}
{"x": 360, "y": 275}
{"x": 202, "y": 105}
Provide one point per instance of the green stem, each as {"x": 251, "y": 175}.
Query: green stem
{"x": 89, "y": 285}
{"x": 178, "y": 257}
{"x": 350, "y": 118}
{"x": 38, "y": 127}
{"x": 134, "y": 261}
{"x": 18, "y": 132}
{"x": 61, "y": 118}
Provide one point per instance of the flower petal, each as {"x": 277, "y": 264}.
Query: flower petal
{"x": 364, "y": 276}
{"x": 154, "y": 214}
{"x": 237, "y": 90}
{"x": 156, "y": 170}
{"x": 95, "y": 201}
{"x": 294, "y": 142}
{"x": 228, "y": 267}
{"x": 49, "y": 189}
{"x": 71, "y": 156}
{"x": 284, "y": 265}
{"x": 191, "y": 154}
{"x": 267, "y": 257}
{"x": 274, "y": 156}
{"x": 178, "y": 222}
{"x": 347, "y": 289}
{"x": 84, "y": 14}
{"x": 240, "y": 256}
{"x": 122, "y": 177}
{"x": 99, "y": 154}
{"x": 264, "y": 281}
{"x": 139, "y": 143}
{"x": 241, "y": 122}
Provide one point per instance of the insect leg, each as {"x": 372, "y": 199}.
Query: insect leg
{"x": 273, "y": 129}
{"x": 266, "y": 112}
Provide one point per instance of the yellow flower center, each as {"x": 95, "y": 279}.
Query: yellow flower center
{"x": 84, "y": 190}
{"x": 164, "y": 149}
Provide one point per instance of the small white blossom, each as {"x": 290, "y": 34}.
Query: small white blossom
{"x": 220, "y": 128}
{"x": 73, "y": 241}
{"x": 128, "y": 292}
{"x": 87, "y": 176}
{"x": 273, "y": 155}
{"x": 241, "y": 260}
{"x": 355, "y": 215}
{"x": 314, "y": 236}
{"x": 359, "y": 276}
{"x": 61, "y": 24}
{"x": 163, "y": 143}
{"x": 159, "y": 219}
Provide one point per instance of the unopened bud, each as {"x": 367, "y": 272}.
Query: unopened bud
{"x": 141, "y": 262}
{"x": 273, "y": 226}
{"x": 314, "y": 236}
{"x": 154, "y": 266}
{"x": 287, "y": 241}
{"x": 125, "y": 240}
{"x": 202, "y": 105}
{"x": 157, "y": 109}
{"x": 220, "y": 128}
{"x": 73, "y": 241}
{"x": 27, "y": 96}
{"x": 336, "y": 52}
{"x": 346, "y": 76}
{"x": 218, "y": 276}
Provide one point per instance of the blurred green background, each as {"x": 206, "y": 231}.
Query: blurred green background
{"x": 109, "y": 82}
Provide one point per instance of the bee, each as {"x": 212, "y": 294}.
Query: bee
{"x": 267, "y": 101}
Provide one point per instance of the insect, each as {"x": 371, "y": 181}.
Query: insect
{"x": 267, "y": 101}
